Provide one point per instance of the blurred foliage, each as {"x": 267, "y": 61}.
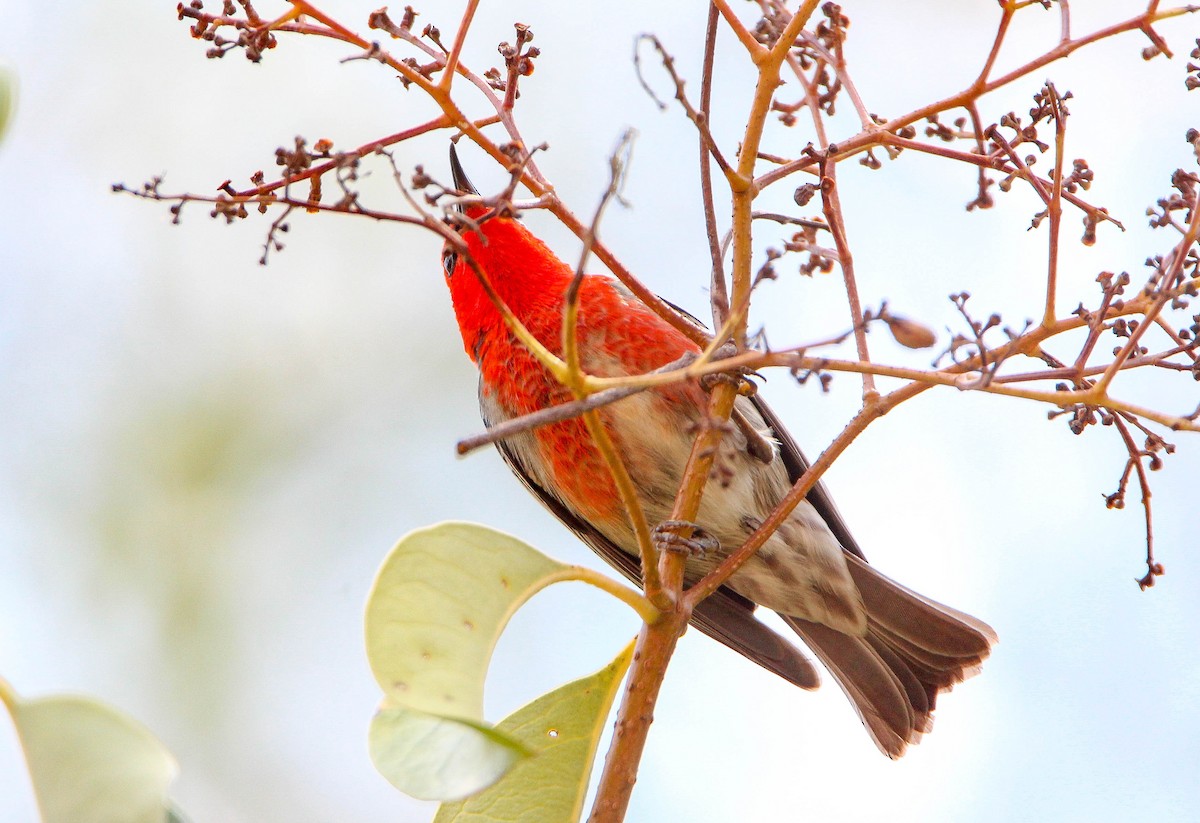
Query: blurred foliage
{"x": 8, "y": 98}
{"x": 174, "y": 477}
{"x": 90, "y": 763}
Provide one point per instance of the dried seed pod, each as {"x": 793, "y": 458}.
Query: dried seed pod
{"x": 910, "y": 333}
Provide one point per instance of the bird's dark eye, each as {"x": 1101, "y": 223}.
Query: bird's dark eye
{"x": 449, "y": 261}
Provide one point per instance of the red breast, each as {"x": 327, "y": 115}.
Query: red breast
{"x": 617, "y": 335}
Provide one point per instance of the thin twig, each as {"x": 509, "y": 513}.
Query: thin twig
{"x": 460, "y": 38}
{"x": 1006, "y": 16}
{"x": 1054, "y": 206}
{"x": 1153, "y": 568}
{"x": 362, "y": 151}
{"x": 832, "y": 208}
{"x": 575, "y": 380}
{"x": 1064, "y": 13}
{"x": 700, "y": 121}
{"x": 1169, "y": 275}
{"x": 618, "y": 163}
{"x": 719, "y": 290}
{"x": 561, "y": 412}
{"x": 996, "y": 163}
{"x": 871, "y": 137}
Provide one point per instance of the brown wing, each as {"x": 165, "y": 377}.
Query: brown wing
{"x": 725, "y": 616}
{"x": 795, "y": 462}
{"x": 797, "y": 465}
{"x": 914, "y": 648}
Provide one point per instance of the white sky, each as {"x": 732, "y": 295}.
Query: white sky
{"x": 202, "y": 461}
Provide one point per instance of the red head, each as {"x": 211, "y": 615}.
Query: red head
{"x": 526, "y": 275}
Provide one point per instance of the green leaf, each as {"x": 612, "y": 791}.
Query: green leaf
{"x": 434, "y": 758}
{"x": 91, "y": 763}
{"x": 8, "y": 97}
{"x": 435, "y": 612}
{"x": 563, "y": 729}
{"x": 437, "y": 608}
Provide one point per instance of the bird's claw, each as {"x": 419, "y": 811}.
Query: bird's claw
{"x": 737, "y": 377}
{"x": 744, "y": 387}
{"x": 757, "y": 446}
{"x": 684, "y": 537}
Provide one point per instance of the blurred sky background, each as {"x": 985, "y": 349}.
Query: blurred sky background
{"x": 203, "y": 461}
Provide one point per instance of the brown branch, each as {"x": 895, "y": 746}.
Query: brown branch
{"x": 708, "y": 142}
{"x": 1024, "y": 172}
{"x": 574, "y": 380}
{"x": 1006, "y": 16}
{"x": 744, "y": 36}
{"x": 228, "y": 205}
{"x": 636, "y": 714}
{"x": 997, "y": 164}
{"x": 460, "y": 39}
{"x": 1064, "y": 13}
{"x": 617, "y": 166}
{"x": 1096, "y": 319}
{"x": 718, "y": 290}
{"x": 379, "y": 19}
{"x": 1153, "y": 567}
{"x": 342, "y": 33}
{"x": 646, "y": 675}
{"x": 742, "y": 184}
{"x": 561, "y": 412}
{"x": 832, "y": 208}
{"x": 1054, "y": 206}
{"x": 1077, "y": 375}
{"x": 361, "y": 151}
{"x": 1165, "y": 294}
{"x": 655, "y": 646}
{"x": 867, "y": 138}
{"x": 1183, "y": 346}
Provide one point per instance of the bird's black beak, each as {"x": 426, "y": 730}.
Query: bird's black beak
{"x": 461, "y": 181}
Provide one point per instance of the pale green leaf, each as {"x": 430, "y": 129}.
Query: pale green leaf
{"x": 437, "y": 608}
{"x": 563, "y": 729}
{"x": 435, "y": 612}
{"x": 90, "y": 763}
{"x": 8, "y": 98}
{"x": 438, "y": 758}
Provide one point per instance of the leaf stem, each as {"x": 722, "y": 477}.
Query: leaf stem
{"x": 630, "y": 597}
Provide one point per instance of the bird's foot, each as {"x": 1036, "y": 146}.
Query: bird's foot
{"x": 685, "y": 537}
{"x": 757, "y": 446}
{"x": 737, "y": 377}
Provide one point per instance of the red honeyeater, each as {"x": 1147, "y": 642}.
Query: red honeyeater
{"x": 891, "y": 650}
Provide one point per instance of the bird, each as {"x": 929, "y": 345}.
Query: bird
{"x": 891, "y": 650}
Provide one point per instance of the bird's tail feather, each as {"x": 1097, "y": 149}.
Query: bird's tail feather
{"x": 913, "y": 649}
